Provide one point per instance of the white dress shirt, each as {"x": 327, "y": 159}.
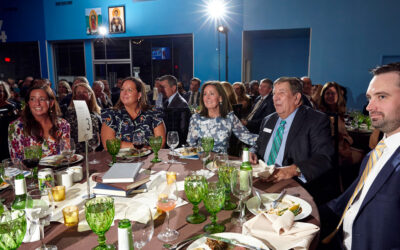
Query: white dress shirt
{"x": 392, "y": 143}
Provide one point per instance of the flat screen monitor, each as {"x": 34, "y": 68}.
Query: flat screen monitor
{"x": 160, "y": 53}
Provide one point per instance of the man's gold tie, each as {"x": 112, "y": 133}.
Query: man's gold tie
{"x": 373, "y": 158}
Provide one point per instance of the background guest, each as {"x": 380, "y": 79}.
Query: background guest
{"x": 131, "y": 115}
{"x": 102, "y": 98}
{"x": 39, "y": 124}
{"x": 216, "y": 120}
{"x": 242, "y": 98}
{"x": 192, "y": 97}
{"x": 83, "y": 92}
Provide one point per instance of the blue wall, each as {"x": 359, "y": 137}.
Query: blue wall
{"x": 348, "y": 37}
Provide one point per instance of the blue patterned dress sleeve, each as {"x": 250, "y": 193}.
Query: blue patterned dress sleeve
{"x": 241, "y": 132}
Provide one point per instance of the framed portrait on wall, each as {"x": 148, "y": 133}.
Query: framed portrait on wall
{"x": 116, "y": 19}
{"x": 93, "y": 20}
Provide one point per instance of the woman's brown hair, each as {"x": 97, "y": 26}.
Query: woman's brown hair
{"x": 33, "y": 127}
{"x": 140, "y": 88}
{"x": 224, "y": 106}
{"x": 340, "y": 107}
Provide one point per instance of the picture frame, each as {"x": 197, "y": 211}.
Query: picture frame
{"x": 116, "y": 19}
{"x": 94, "y": 20}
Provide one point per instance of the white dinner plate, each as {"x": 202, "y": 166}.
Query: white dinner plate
{"x": 253, "y": 204}
{"x": 4, "y": 185}
{"x": 129, "y": 153}
{"x": 186, "y": 152}
{"x": 51, "y": 161}
{"x": 247, "y": 239}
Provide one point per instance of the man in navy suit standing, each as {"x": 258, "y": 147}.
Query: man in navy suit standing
{"x": 367, "y": 214}
{"x": 176, "y": 110}
{"x": 263, "y": 106}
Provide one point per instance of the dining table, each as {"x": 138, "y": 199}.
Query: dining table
{"x": 69, "y": 238}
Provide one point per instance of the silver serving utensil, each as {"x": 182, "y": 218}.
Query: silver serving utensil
{"x": 279, "y": 199}
{"x": 182, "y": 243}
{"x": 231, "y": 242}
{"x": 262, "y": 206}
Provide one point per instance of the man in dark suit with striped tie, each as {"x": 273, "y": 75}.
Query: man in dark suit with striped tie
{"x": 367, "y": 214}
{"x": 296, "y": 138}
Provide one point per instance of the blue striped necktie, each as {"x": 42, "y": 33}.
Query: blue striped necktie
{"x": 276, "y": 143}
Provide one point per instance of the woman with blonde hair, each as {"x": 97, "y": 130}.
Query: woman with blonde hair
{"x": 230, "y": 92}
{"x": 63, "y": 89}
{"x": 131, "y": 115}
{"x": 242, "y": 98}
{"x": 83, "y": 92}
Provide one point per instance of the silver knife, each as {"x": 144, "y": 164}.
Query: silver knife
{"x": 279, "y": 199}
{"x": 231, "y": 242}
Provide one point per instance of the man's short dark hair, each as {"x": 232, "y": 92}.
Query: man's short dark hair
{"x": 172, "y": 81}
{"x": 391, "y": 67}
{"x": 267, "y": 80}
{"x": 196, "y": 80}
{"x": 254, "y": 82}
{"x": 295, "y": 84}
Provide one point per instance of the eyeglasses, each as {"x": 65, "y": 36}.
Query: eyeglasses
{"x": 40, "y": 99}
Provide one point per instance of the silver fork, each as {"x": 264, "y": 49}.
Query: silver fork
{"x": 279, "y": 199}
{"x": 262, "y": 206}
{"x": 182, "y": 243}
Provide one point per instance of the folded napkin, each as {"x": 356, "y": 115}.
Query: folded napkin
{"x": 262, "y": 169}
{"x": 281, "y": 232}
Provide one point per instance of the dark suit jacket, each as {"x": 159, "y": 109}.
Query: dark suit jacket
{"x": 377, "y": 224}
{"x": 308, "y": 144}
{"x": 187, "y": 97}
{"x": 266, "y": 108}
{"x": 177, "y": 117}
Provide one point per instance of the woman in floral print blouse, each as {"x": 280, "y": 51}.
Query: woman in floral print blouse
{"x": 216, "y": 120}
{"x": 39, "y": 124}
{"x": 131, "y": 115}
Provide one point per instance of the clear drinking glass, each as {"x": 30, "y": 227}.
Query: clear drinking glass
{"x": 241, "y": 186}
{"x": 172, "y": 142}
{"x": 94, "y": 143}
{"x": 167, "y": 199}
{"x": 143, "y": 230}
{"x": 39, "y": 210}
{"x": 67, "y": 149}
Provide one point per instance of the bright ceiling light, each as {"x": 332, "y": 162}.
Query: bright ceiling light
{"x": 102, "y": 30}
{"x": 216, "y": 8}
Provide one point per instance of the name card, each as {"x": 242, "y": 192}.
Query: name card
{"x": 85, "y": 128}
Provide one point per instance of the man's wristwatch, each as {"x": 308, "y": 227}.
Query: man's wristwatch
{"x": 298, "y": 171}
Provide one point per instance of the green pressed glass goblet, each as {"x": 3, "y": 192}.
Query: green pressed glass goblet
{"x": 155, "y": 144}
{"x": 194, "y": 189}
{"x": 207, "y": 143}
{"x": 214, "y": 198}
{"x": 224, "y": 175}
{"x": 12, "y": 229}
{"x": 113, "y": 147}
{"x": 99, "y": 213}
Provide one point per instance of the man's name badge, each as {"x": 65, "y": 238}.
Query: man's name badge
{"x": 267, "y": 130}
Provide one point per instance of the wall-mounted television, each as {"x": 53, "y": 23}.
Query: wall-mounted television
{"x": 160, "y": 53}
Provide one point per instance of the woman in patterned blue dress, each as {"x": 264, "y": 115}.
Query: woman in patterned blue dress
{"x": 131, "y": 115}
{"x": 217, "y": 120}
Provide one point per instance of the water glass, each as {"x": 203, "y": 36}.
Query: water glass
{"x": 143, "y": 230}
{"x": 167, "y": 199}
{"x": 94, "y": 143}
{"x": 194, "y": 190}
{"x": 172, "y": 142}
{"x": 155, "y": 144}
{"x": 99, "y": 213}
{"x": 12, "y": 229}
{"x": 214, "y": 198}
{"x": 113, "y": 147}
{"x": 241, "y": 186}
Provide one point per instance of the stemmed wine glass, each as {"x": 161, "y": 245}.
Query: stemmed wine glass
{"x": 241, "y": 186}
{"x": 202, "y": 156}
{"x": 32, "y": 155}
{"x": 99, "y": 213}
{"x": 207, "y": 143}
{"x": 214, "y": 198}
{"x": 155, "y": 144}
{"x": 94, "y": 143}
{"x": 167, "y": 199}
{"x": 138, "y": 142}
{"x": 39, "y": 210}
{"x": 194, "y": 190}
{"x": 142, "y": 230}
{"x": 172, "y": 142}
{"x": 224, "y": 175}
{"x": 113, "y": 147}
{"x": 12, "y": 228}
{"x": 67, "y": 149}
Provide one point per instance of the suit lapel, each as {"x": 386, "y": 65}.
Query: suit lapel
{"x": 382, "y": 177}
{"x": 269, "y": 125}
{"x": 295, "y": 128}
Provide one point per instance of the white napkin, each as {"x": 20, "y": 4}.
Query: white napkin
{"x": 263, "y": 170}
{"x": 281, "y": 232}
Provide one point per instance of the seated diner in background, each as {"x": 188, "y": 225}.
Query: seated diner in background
{"x": 39, "y": 124}
{"x": 83, "y": 92}
{"x": 131, "y": 115}
{"x": 216, "y": 119}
